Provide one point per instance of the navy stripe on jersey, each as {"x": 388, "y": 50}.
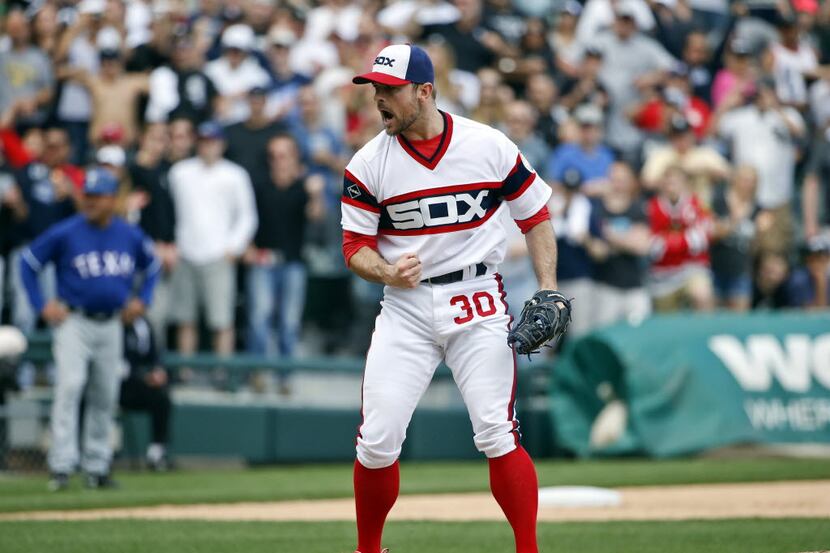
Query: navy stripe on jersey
{"x": 356, "y": 194}
{"x": 518, "y": 180}
{"x": 440, "y": 210}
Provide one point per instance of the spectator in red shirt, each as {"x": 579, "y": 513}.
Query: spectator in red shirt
{"x": 680, "y": 228}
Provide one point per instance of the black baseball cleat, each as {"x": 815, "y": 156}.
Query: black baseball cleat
{"x": 58, "y": 481}
{"x": 100, "y": 482}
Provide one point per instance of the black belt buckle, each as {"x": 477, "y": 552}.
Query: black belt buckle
{"x": 455, "y": 276}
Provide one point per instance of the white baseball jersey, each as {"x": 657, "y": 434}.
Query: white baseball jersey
{"x": 445, "y": 208}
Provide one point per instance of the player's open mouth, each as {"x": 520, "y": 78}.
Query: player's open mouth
{"x": 386, "y": 115}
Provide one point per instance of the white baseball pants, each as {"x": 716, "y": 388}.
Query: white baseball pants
{"x": 465, "y": 324}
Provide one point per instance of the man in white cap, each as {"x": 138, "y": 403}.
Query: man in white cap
{"x": 235, "y": 73}
{"x": 216, "y": 219}
{"x": 421, "y": 213}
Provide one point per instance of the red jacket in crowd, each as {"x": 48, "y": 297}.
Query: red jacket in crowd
{"x": 681, "y": 232}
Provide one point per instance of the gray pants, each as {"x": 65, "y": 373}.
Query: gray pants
{"x": 87, "y": 353}
{"x": 212, "y": 285}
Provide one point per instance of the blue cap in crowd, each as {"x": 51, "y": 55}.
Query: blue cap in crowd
{"x": 399, "y": 64}
{"x": 211, "y": 130}
{"x": 100, "y": 182}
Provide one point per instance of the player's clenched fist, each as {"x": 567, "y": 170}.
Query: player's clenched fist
{"x": 405, "y": 272}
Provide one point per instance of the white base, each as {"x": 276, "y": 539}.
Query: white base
{"x": 578, "y": 496}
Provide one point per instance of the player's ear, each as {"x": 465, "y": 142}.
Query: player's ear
{"x": 425, "y": 91}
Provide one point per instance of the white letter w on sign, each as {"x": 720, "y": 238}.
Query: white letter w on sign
{"x": 753, "y": 365}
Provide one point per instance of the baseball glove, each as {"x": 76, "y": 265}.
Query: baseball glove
{"x": 541, "y": 321}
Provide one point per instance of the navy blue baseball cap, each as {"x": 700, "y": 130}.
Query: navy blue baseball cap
{"x": 100, "y": 182}
{"x": 399, "y": 64}
{"x": 211, "y": 130}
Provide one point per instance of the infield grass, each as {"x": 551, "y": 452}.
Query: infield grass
{"x": 24, "y": 493}
{"x": 727, "y": 536}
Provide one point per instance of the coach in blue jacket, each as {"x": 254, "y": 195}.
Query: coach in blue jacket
{"x": 98, "y": 258}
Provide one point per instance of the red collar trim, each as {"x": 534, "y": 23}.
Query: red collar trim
{"x": 431, "y": 162}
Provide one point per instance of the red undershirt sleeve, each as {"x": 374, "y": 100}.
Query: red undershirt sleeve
{"x": 526, "y": 224}
{"x": 353, "y": 241}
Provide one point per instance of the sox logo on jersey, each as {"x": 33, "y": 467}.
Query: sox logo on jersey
{"x": 435, "y": 211}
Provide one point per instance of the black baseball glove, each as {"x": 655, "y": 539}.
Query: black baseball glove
{"x": 541, "y": 321}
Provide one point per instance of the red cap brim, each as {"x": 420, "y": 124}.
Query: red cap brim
{"x": 382, "y": 78}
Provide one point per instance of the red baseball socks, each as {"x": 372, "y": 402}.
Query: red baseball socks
{"x": 516, "y": 489}
{"x": 512, "y": 480}
{"x": 375, "y": 492}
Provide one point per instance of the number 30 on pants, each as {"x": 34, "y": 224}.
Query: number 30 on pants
{"x": 484, "y": 304}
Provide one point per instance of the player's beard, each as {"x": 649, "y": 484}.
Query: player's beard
{"x": 406, "y": 123}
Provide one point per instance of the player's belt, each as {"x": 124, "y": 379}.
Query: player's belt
{"x": 100, "y": 316}
{"x": 479, "y": 269}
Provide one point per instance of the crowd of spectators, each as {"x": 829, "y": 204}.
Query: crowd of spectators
{"x": 687, "y": 143}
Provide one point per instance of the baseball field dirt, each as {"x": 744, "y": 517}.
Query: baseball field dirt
{"x": 786, "y": 499}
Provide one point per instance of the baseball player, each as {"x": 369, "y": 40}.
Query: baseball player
{"x": 421, "y": 207}
{"x": 97, "y": 257}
